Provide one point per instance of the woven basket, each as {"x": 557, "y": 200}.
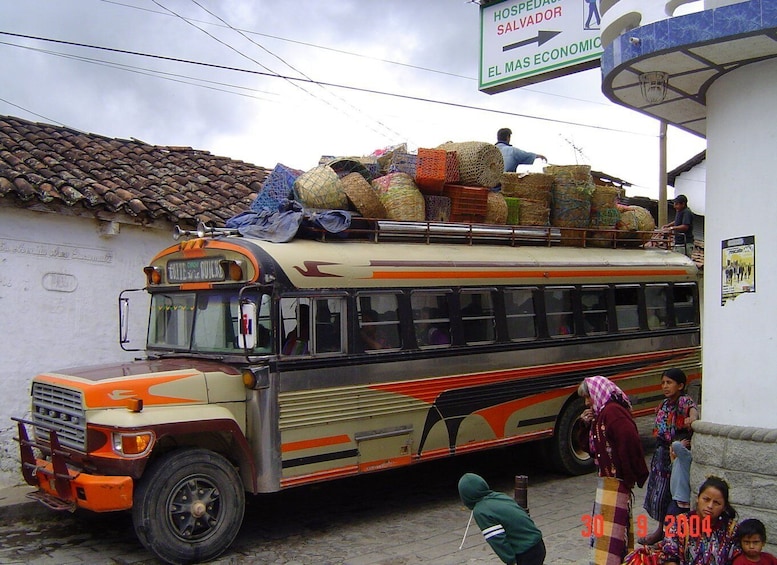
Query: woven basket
{"x": 533, "y": 213}
{"x": 403, "y": 163}
{"x": 635, "y": 219}
{"x": 438, "y": 208}
{"x": 480, "y": 163}
{"x": 344, "y": 166}
{"x": 277, "y": 188}
{"x": 363, "y": 196}
{"x": 496, "y": 211}
{"x": 513, "y": 210}
{"x": 320, "y": 187}
{"x": 527, "y": 185}
{"x": 604, "y": 212}
{"x": 574, "y": 173}
{"x": 401, "y": 197}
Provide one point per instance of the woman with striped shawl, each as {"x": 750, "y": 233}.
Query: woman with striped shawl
{"x": 617, "y": 450}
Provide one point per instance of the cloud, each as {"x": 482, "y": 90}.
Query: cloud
{"x": 427, "y": 50}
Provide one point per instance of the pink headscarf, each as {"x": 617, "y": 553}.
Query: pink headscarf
{"x": 601, "y": 389}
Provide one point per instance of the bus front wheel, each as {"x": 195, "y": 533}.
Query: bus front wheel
{"x": 188, "y": 506}
{"x": 568, "y": 451}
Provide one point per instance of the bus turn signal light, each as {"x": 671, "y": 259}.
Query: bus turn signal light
{"x": 132, "y": 444}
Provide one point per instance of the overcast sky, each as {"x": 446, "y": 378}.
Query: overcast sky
{"x": 415, "y": 50}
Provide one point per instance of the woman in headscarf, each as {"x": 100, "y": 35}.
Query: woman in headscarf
{"x": 617, "y": 450}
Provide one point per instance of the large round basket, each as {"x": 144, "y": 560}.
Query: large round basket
{"x": 363, "y": 196}
{"x": 496, "y": 209}
{"x": 401, "y": 197}
{"x": 604, "y": 211}
{"x": 320, "y": 187}
{"x": 480, "y": 163}
{"x": 635, "y": 224}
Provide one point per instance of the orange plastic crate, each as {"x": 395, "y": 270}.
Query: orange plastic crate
{"x": 434, "y": 168}
{"x": 468, "y": 203}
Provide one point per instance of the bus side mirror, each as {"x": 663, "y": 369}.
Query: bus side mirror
{"x": 247, "y": 334}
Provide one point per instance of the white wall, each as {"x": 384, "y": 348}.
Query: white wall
{"x": 693, "y": 184}
{"x": 59, "y": 286}
{"x": 740, "y": 349}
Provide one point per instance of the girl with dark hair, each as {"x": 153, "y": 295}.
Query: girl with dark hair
{"x": 673, "y": 423}
{"x": 714, "y": 541}
{"x": 617, "y": 450}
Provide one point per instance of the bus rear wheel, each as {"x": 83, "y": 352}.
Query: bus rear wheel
{"x": 568, "y": 449}
{"x": 188, "y": 506}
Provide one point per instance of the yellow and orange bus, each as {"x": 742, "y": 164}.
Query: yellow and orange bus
{"x": 272, "y": 365}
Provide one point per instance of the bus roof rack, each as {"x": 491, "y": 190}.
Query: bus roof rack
{"x": 377, "y": 230}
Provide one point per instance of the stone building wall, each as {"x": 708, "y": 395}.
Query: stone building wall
{"x": 746, "y": 458}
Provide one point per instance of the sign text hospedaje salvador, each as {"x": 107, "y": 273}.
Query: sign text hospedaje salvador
{"x": 527, "y": 41}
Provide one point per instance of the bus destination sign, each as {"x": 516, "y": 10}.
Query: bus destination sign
{"x": 195, "y": 270}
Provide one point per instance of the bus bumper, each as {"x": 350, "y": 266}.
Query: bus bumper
{"x": 62, "y": 488}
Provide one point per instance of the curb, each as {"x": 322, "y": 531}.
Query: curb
{"x": 15, "y": 505}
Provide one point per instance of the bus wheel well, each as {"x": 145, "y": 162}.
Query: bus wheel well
{"x": 218, "y": 442}
{"x": 567, "y": 449}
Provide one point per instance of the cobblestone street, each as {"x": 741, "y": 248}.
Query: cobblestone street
{"x": 395, "y": 518}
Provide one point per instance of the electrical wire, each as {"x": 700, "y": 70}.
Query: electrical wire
{"x": 360, "y": 55}
{"x": 333, "y": 85}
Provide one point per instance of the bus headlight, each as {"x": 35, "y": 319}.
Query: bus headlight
{"x": 132, "y": 444}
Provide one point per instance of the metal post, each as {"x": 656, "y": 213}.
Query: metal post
{"x": 521, "y": 493}
{"x": 662, "y": 207}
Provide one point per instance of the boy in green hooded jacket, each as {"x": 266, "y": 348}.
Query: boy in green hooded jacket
{"x": 507, "y": 527}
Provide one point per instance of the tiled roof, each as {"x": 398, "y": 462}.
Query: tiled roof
{"x": 61, "y": 167}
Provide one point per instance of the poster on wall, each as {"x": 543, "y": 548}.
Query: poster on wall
{"x": 738, "y": 267}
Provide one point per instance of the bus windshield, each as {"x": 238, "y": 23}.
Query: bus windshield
{"x": 204, "y": 322}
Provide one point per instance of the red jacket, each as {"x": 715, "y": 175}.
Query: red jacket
{"x": 617, "y": 447}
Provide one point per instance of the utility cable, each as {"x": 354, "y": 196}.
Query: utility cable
{"x": 333, "y": 85}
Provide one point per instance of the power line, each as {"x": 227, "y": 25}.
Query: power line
{"x": 164, "y": 75}
{"x": 292, "y": 68}
{"x": 359, "y": 55}
{"x": 49, "y": 120}
{"x": 333, "y": 85}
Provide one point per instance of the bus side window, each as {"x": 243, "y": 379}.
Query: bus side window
{"x": 627, "y": 307}
{"x": 328, "y": 323}
{"x": 684, "y": 308}
{"x": 559, "y": 312}
{"x": 594, "y": 303}
{"x": 520, "y": 312}
{"x": 295, "y": 325}
{"x": 378, "y": 321}
{"x": 655, "y": 303}
{"x": 430, "y": 317}
{"x": 477, "y": 315}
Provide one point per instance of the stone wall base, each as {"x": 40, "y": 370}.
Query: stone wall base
{"x": 747, "y": 459}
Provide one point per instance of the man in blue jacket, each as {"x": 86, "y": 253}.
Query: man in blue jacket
{"x": 507, "y": 527}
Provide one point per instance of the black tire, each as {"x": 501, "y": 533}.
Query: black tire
{"x": 189, "y": 506}
{"x": 568, "y": 447}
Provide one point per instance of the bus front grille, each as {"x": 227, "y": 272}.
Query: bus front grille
{"x": 61, "y": 409}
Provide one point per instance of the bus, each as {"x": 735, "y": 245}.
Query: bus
{"x": 273, "y": 365}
